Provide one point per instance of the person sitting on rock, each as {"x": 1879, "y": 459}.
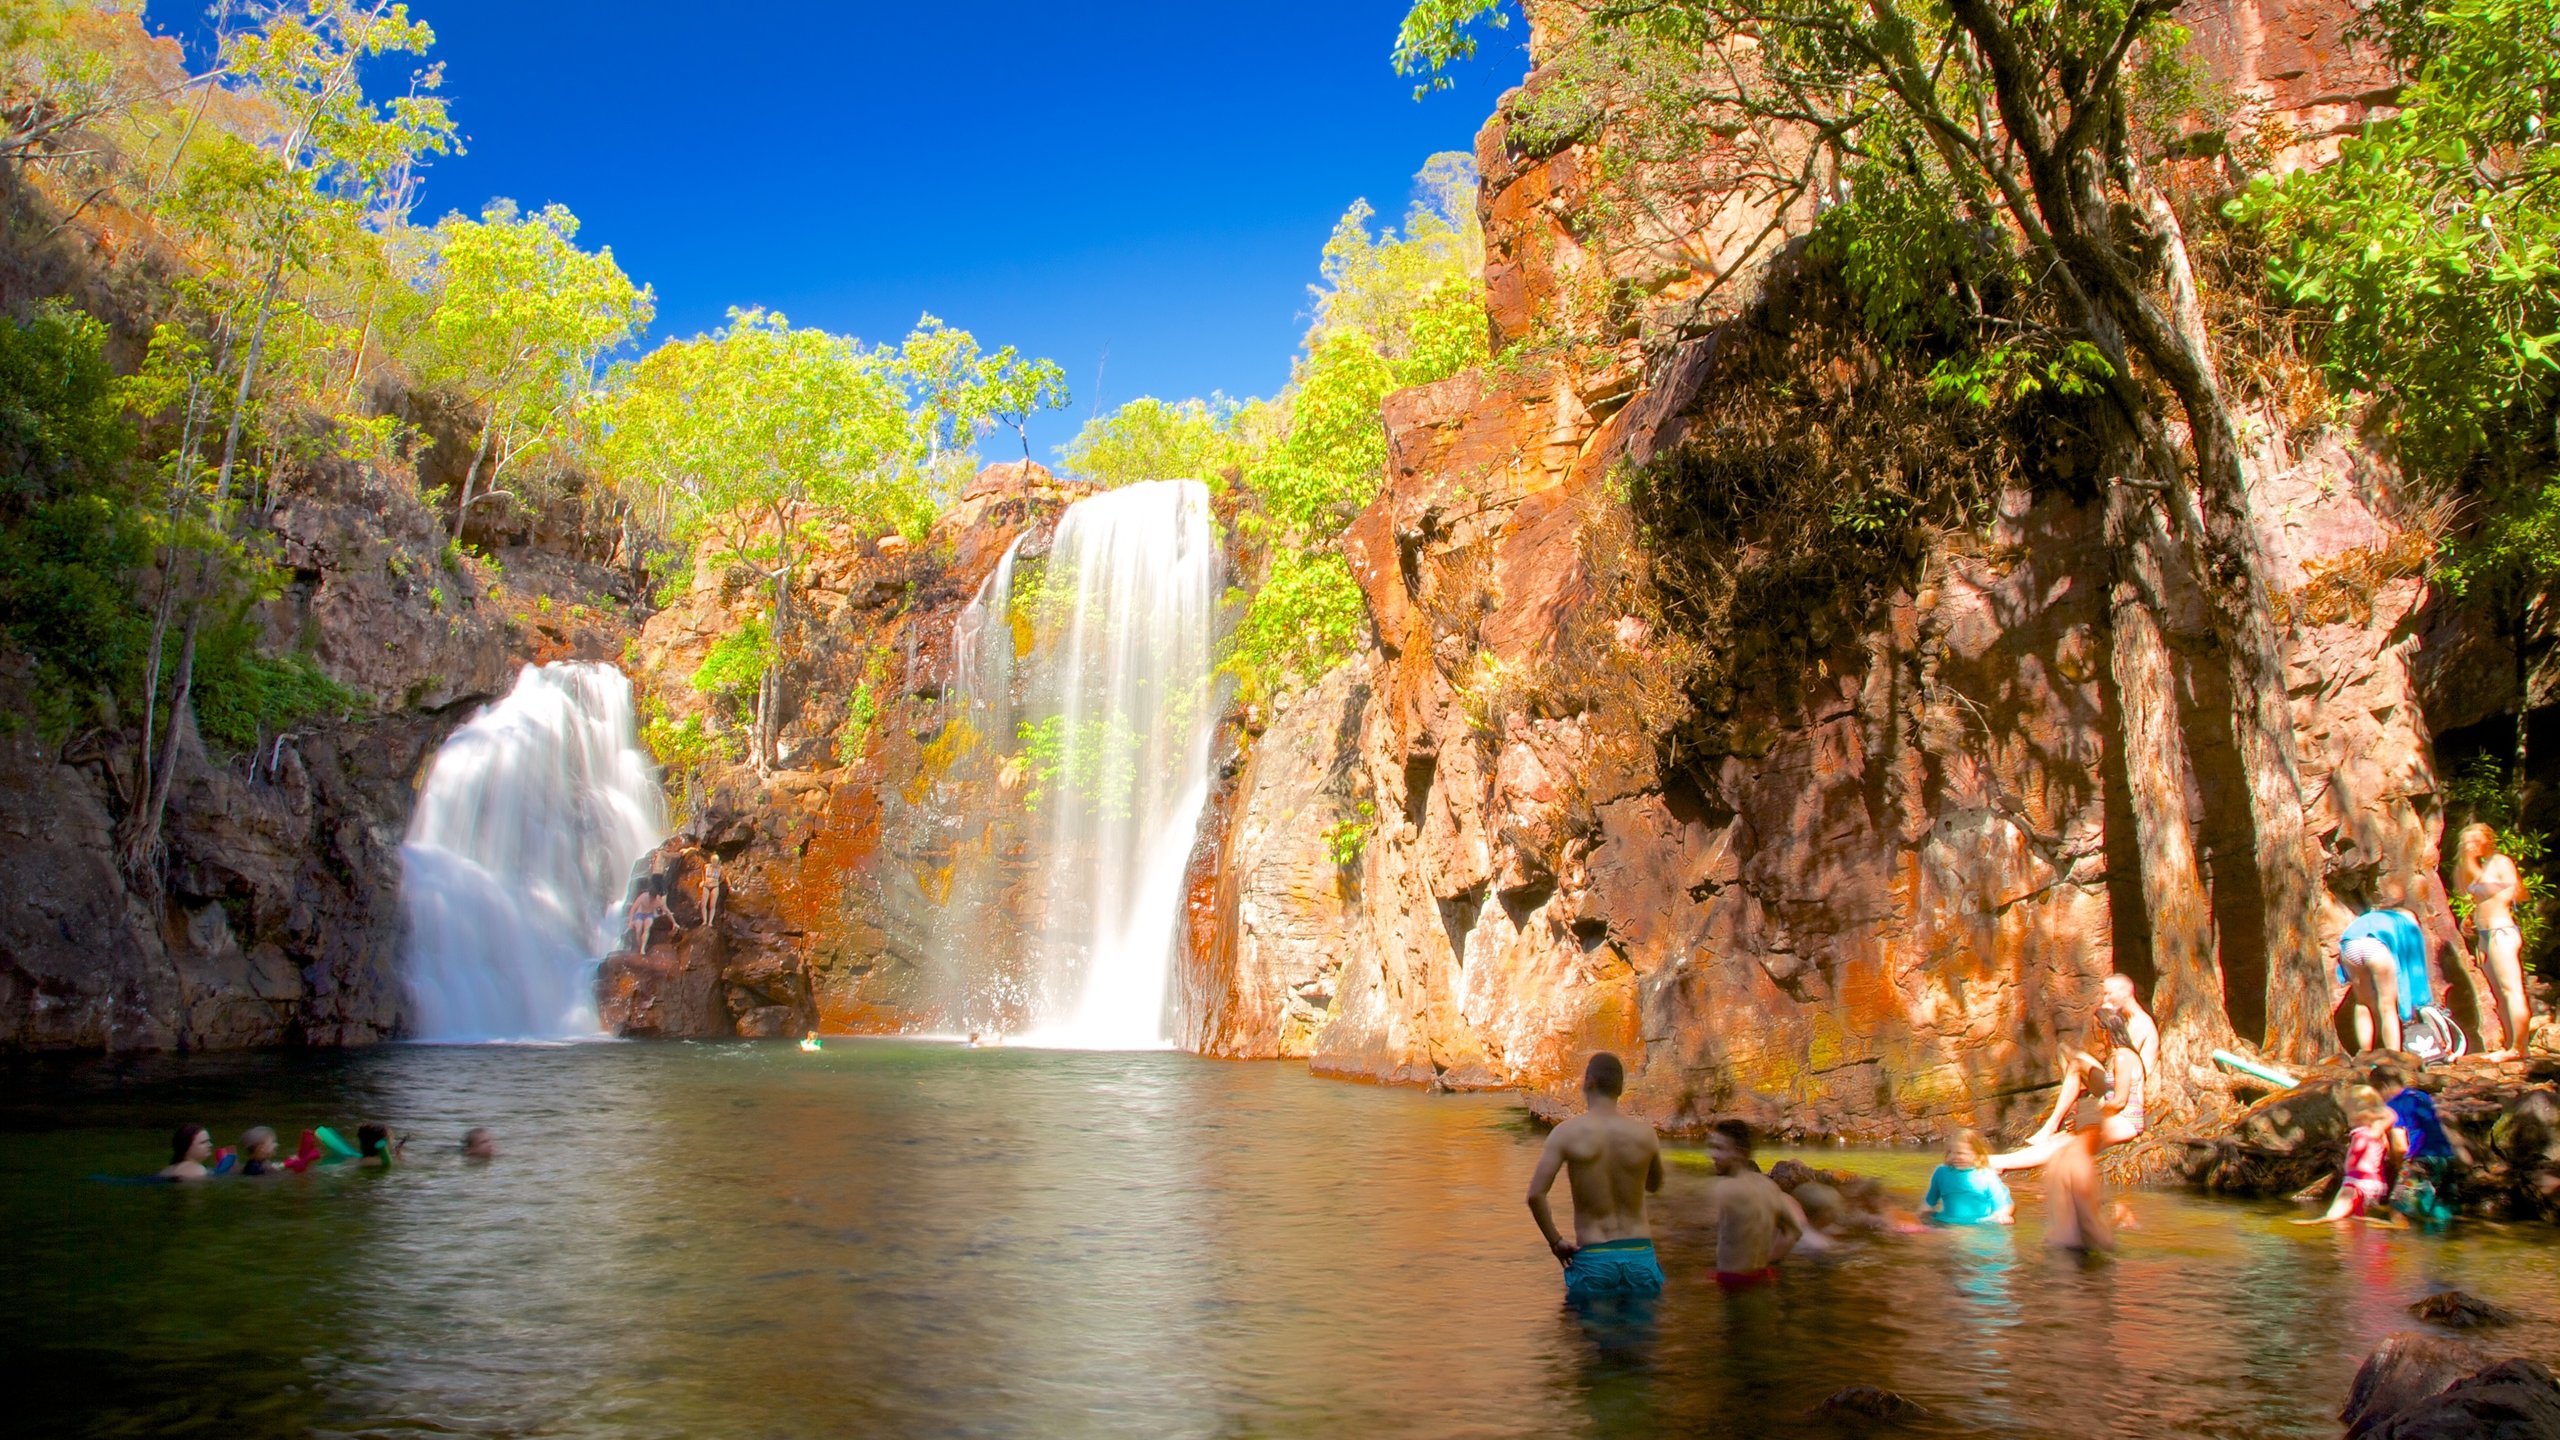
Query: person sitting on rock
{"x": 2382, "y": 960}
{"x": 2116, "y": 998}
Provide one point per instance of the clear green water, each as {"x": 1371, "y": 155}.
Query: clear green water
{"x": 892, "y": 1239}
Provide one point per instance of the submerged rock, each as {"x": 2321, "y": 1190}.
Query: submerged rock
{"x": 1870, "y": 1402}
{"x": 2461, "y": 1311}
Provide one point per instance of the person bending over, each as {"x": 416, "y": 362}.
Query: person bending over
{"x": 1757, "y": 1224}
{"x": 1611, "y": 1162}
{"x": 2373, "y": 1144}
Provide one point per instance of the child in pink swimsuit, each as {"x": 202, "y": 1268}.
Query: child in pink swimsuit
{"x": 2372, "y": 1144}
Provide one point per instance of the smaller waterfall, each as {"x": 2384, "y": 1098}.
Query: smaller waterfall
{"x": 519, "y": 855}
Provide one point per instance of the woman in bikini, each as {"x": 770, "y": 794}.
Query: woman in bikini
{"x": 2122, "y": 1076}
{"x": 2490, "y": 879}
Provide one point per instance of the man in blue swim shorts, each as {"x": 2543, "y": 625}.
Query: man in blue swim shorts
{"x": 1612, "y": 1162}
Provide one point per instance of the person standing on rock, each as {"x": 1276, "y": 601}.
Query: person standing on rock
{"x": 2489, "y": 877}
{"x": 1612, "y": 1161}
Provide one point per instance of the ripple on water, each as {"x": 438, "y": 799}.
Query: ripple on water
{"x": 908, "y": 1239}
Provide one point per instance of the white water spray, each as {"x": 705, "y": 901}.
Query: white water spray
{"x": 1124, "y": 714}
{"x": 518, "y": 857}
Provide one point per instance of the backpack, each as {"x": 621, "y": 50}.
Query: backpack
{"x": 2433, "y": 1037}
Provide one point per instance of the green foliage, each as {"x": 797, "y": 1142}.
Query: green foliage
{"x": 1393, "y": 312}
{"x": 71, "y": 537}
{"x": 1304, "y": 620}
{"x": 1096, "y": 762}
{"x": 242, "y": 695}
{"x": 1148, "y": 439}
{"x": 1437, "y": 34}
{"x": 682, "y": 747}
{"x": 960, "y": 392}
{"x": 862, "y": 707}
{"x": 1345, "y": 839}
{"x": 2003, "y": 376}
{"x": 521, "y": 316}
{"x": 2432, "y": 246}
{"x": 736, "y": 662}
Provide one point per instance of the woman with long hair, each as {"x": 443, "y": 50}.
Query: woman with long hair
{"x": 2490, "y": 878}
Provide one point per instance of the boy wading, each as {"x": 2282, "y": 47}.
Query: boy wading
{"x": 1612, "y": 1162}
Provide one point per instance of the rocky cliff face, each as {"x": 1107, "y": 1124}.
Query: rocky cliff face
{"x": 804, "y": 899}
{"x": 1886, "y": 859}
{"x": 279, "y": 919}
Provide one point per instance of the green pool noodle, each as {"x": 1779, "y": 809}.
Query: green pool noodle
{"x": 337, "y": 1148}
{"x": 2271, "y": 1075}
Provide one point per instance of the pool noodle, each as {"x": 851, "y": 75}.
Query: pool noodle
{"x": 2268, "y": 1073}
{"x": 337, "y": 1147}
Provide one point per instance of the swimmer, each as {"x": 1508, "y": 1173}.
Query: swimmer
{"x": 973, "y": 1039}
{"x": 1966, "y": 1190}
{"x": 1824, "y": 1207}
{"x": 479, "y": 1144}
{"x": 1612, "y": 1162}
{"x": 258, "y": 1152}
{"x": 809, "y": 1043}
{"x": 1757, "y": 1224}
{"x": 2374, "y": 1142}
{"x": 377, "y": 1147}
{"x": 189, "y": 1147}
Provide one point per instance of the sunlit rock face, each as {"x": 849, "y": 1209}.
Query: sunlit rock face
{"x": 1878, "y": 908}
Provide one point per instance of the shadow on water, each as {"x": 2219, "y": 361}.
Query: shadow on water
{"x": 901, "y": 1239}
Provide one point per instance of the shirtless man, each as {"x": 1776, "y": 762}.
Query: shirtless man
{"x": 1612, "y": 1162}
{"x": 1757, "y": 1224}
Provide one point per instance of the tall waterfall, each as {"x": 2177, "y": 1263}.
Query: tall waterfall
{"x": 1085, "y": 678}
{"x": 523, "y": 843}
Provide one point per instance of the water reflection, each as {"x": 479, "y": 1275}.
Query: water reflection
{"x": 901, "y": 1239}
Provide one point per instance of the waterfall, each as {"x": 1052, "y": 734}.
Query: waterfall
{"x": 1117, "y": 755}
{"x": 519, "y": 855}
{"x": 1077, "y": 730}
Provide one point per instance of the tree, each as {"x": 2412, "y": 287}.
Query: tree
{"x": 2431, "y": 249}
{"x": 1392, "y": 311}
{"x": 2015, "y": 123}
{"x": 1148, "y": 439}
{"x": 521, "y": 317}
{"x": 261, "y": 215}
{"x": 756, "y": 437}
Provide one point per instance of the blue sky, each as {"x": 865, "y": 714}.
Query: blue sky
{"x": 1136, "y": 188}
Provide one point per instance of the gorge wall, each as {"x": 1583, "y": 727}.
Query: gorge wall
{"x": 1893, "y": 865}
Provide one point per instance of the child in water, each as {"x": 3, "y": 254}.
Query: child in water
{"x": 1964, "y": 1191}
{"x": 2373, "y": 1142}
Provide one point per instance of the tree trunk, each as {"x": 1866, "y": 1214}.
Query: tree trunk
{"x": 2234, "y": 577}
{"x": 139, "y": 850}
{"x": 2187, "y": 999}
{"x": 471, "y": 476}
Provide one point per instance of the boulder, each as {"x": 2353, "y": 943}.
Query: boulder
{"x": 2403, "y": 1370}
{"x": 2458, "y": 1310}
{"x": 2511, "y": 1400}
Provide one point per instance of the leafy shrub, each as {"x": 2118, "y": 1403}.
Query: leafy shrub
{"x": 736, "y": 662}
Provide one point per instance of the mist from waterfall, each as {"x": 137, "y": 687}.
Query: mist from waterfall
{"x": 519, "y": 854}
{"x": 1086, "y": 675}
